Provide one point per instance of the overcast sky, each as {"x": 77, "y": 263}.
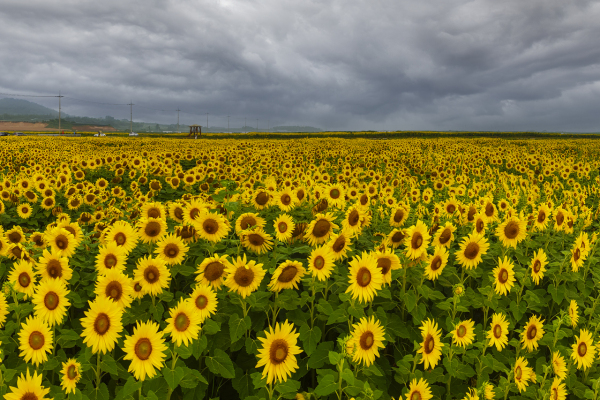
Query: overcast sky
{"x": 332, "y": 64}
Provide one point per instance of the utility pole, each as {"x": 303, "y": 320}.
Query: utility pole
{"x": 207, "y": 121}
{"x": 131, "y": 118}
{"x": 228, "y": 124}
{"x": 268, "y": 123}
{"x": 245, "y": 124}
{"x": 178, "y": 131}
{"x": 256, "y": 124}
{"x": 59, "y": 97}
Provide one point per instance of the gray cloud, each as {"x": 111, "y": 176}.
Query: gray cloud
{"x": 336, "y": 64}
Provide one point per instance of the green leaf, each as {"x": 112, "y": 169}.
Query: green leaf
{"x": 310, "y": 338}
{"x": 241, "y": 383}
{"x": 220, "y": 364}
{"x": 131, "y": 386}
{"x": 338, "y": 315}
{"x": 52, "y": 364}
{"x": 410, "y": 299}
{"x": 320, "y": 356}
{"x": 348, "y": 376}
{"x": 173, "y": 376}
{"x": 210, "y": 327}
{"x": 287, "y": 387}
{"x": 184, "y": 351}
{"x": 191, "y": 378}
{"x": 238, "y": 326}
{"x": 327, "y": 385}
{"x": 334, "y": 358}
{"x": 101, "y": 393}
{"x": 67, "y": 338}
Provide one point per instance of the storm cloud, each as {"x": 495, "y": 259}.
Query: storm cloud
{"x": 334, "y": 64}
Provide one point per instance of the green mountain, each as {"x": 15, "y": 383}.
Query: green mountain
{"x": 24, "y": 107}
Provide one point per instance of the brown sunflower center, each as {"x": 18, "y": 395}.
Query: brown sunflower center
{"x": 582, "y": 349}
{"x": 36, "y": 340}
{"x": 385, "y": 264}
{"x": 178, "y": 211}
{"x": 461, "y": 331}
{"x": 51, "y": 300}
{"x": 286, "y": 199}
{"x": 541, "y": 216}
{"x": 72, "y": 372}
{"x": 282, "y": 227}
{"x": 210, "y": 226}
{"x": 181, "y": 322}
{"x": 489, "y": 209}
{"x": 278, "y": 351}
{"x": 24, "y": 279}
{"x": 244, "y": 276}
{"x": 151, "y": 274}
{"x": 537, "y": 265}
{"x": 110, "y": 261}
{"x": 531, "y": 332}
{"x": 503, "y": 276}
{"x": 213, "y": 271}
{"x": 137, "y": 287}
{"x": 450, "y": 208}
{"x": 143, "y": 349}
{"x": 255, "y": 239}
{"x": 479, "y": 225}
{"x": 366, "y": 341}
{"x": 262, "y": 198}
{"x": 471, "y": 251}
{"x": 114, "y": 290}
{"x": 416, "y": 395}
{"x": 445, "y": 236}
{"x": 152, "y": 229}
{"x": 38, "y": 240}
{"x": 398, "y": 237}
{"x": 54, "y": 269}
{"x": 429, "y": 344}
{"x": 398, "y": 216}
{"x": 120, "y": 238}
{"x": 511, "y": 230}
{"x": 339, "y": 244}
{"x": 288, "y": 274}
{"x": 363, "y": 277}
{"x": 102, "y": 324}
{"x": 416, "y": 241}
{"x": 576, "y": 254}
{"x": 319, "y": 262}
{"x": 14, "y": 237}
{"x": 560, "y": 218}
{"x": 497, "y": 331}
{"x": 518, "y": 373}
{"x": 153, "y": 213}
{"x": 247, "y": 222}
{"x": 171, "y": 250}
{"x": 353, "y": 218}
{"x": 321, "y": 228}
{"x": 62, "y": 242}
{"x": 554, "y": 394}
{"x": 201, "y": 302}
{"x": 436, "y": 263}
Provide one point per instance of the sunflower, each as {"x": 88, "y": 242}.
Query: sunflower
{"x": 489, "y": 212}
{"x": 151, "y": 230}
{"x": 445, "y": 235}
{"x": 15, "y": 235}
{"x": 538, "y": 265}
{"x": 257, "y": 240}
{"x": 541, "y": 218}
{"x": 111, "y": 257}
{"x": 287, "y": 276}
{"x": 184, "y": 323}
{"x": 172, "y": 249}
{"x": 205, "y": 301}
{"x": 152, "y": 275}
{"x": 511, "y": 232}
{"x": 28, "y": 387}
{"x": 24, "y": 210}
{"x": 102, "y": 325}
{"x": 212, "y": 271}
{"x": 436, "y": 263}
{"x": 577, "y": 258}
{"x": 416, "y": 240}
{"x": 521, "y": 373}
{"x": 3, "y": 309}
{"x": 284, "y": 200}
{"x": 583, "y": 350}
{"x": 48, "y": 203}
{"x": 71, "y": 371}
{"x": 116, "y": 286}
{"x": 4, "y": 246}
{"x": 339, "y": 244}
{"x": 284, "y": 227}
{"x": 559, "y": 365}
{"x": 260, "y": 199}
{"x": 23, "y": 277}
{"x": 504, "y": 276}
{"x": 399, "y": 215}
{"x": 176, "y": 211}
{"x": 243, "y": 276}
{"x": 335, "y": 195}
{"x": 50, "y": 300}
{"x": 123, "y": 234}
{"x": 419, "y": 390}
{"x": 471, "y": 250}
{"x": 498, "y": 334}
{"x": 558, "y": 391}
{"x": 489, "y": 392}
{"x": 61, "y": 240}
{"x": 463, "y": 333}
{"x": 573, "y": 313}
{"x": 533, "y": 332}
{"x": 559, "y": 216}
{"x": 387, "y": 261}
{"x": 247, "y": 221}
{"x": 35, "y": 340}
{"x": 38, "y": 240}
{"x": 320, "y": 229}
{"x": 352, "y": 220}
{"x": 321, "y": 262}
{"x": 52, "y": 265}
{"x": 146, "y": 350}
{"x": 396, "y": 238}
{"x": 153, "y": 210}
{"x": 367, "y": 337}
{"x": 431, "y": 348}
{"x": 210, "y": 226}
{"x": 73, "y": 228}
{"x": 365, "y": 277}
{"x": 278, "y": 352}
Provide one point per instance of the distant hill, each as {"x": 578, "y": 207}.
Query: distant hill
{"x": 294, "y": 129}
{"x": 24, "y": 107}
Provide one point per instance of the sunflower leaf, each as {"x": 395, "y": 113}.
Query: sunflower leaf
{"x": 327, "y": 385}
{"x": 310, "y": 337}
{"x": 238, "y": 326}
{"x": 220, "y": 364}
{"x": 173, "y": 376}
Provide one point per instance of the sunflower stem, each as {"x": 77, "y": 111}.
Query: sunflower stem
{"x": 98, "y": 372}
{"x": 340, "y": 391}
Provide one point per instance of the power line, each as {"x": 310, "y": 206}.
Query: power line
{"x": 23, "y": 95}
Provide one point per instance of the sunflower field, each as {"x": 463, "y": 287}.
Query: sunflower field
{"x": 439, "y": 268}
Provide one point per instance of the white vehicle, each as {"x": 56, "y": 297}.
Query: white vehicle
{"x": 133, "y": 134}
{"x": 96, "y": 134}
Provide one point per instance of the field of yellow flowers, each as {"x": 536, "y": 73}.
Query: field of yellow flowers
{"x": 440, "y": 268}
